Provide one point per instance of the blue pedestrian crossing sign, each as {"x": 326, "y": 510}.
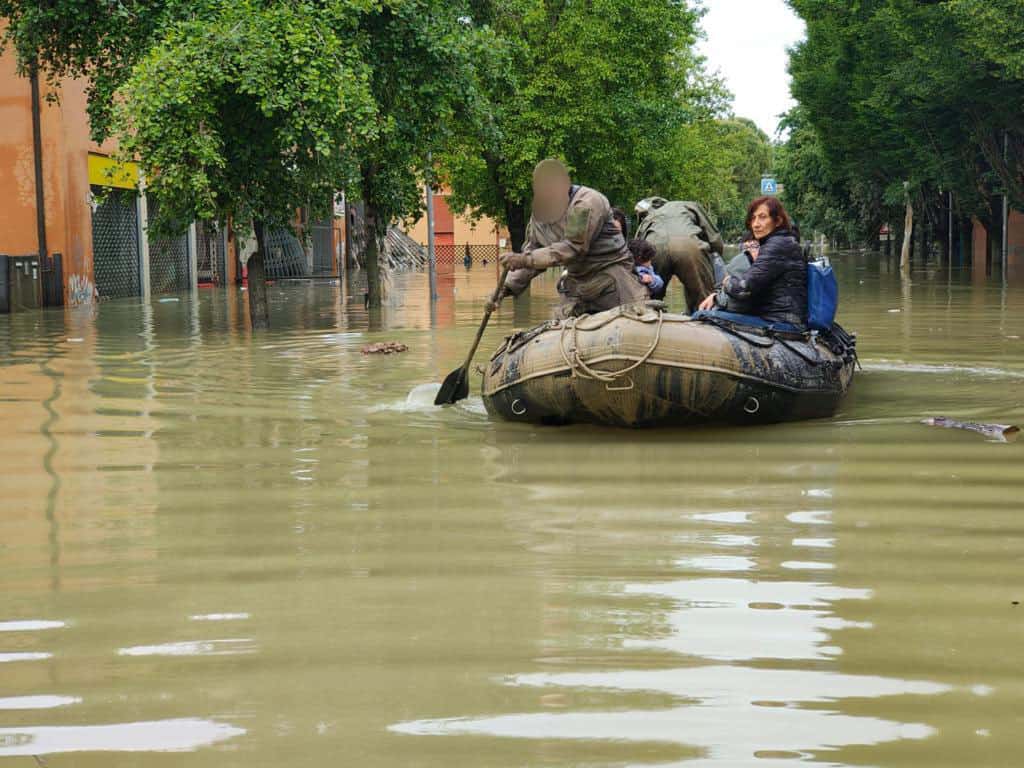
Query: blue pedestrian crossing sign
{"x": 769, "y": 186}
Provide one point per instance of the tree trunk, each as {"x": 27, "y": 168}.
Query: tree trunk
{"x": 908, "y": 234}
{"x": 374, "y": 295}
{"x": 259, "y": 309}
{"x": 515, "y": 215}
{"x": 924, "y": 239}
{"x": 355, "y": 233}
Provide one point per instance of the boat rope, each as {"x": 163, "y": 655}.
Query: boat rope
{"x": 580, "y": 368}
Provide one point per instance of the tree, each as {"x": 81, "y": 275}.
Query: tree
{"x": 98, "y": 41}
{"x": 918, "y": 93}
{"x": 247, "y": 113}
{"x": 420, "y": 57}
{"x": 608, "y": 86}
{"x": 249, "y": 110}
{"x": 720, "y": 164}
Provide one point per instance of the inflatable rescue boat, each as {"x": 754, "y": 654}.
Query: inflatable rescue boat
{"x": 639, "y": 366}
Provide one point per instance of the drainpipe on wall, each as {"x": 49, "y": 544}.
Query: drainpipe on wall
{"x": 37, "y": 154}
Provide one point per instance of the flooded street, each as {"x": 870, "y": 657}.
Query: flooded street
{"x": 221, "y": 550}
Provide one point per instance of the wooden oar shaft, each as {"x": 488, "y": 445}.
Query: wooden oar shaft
{"x": 487, "y": 317}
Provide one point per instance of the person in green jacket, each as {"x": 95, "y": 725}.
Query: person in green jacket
{"x": 687, "y": 245}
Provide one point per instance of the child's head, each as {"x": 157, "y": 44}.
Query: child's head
{"x": 619, "y": 217}
{"x": 643, "y": 252}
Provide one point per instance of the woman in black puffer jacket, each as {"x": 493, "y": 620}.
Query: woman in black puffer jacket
{"x": 775, "y": 286}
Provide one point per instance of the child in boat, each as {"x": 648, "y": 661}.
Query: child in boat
{"x": 747, "y": 256}
{"x": 643, "y": 256}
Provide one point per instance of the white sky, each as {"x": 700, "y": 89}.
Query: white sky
{"x": 746, "y": 42}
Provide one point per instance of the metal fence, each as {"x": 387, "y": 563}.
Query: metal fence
{"x": 285, "y": 255}
{"x": 168, "y": 257}
{"x": 322, "y": 240}
{"x": 115, "y": 243}
{"x": 467, "y": 255}
{"x": 211, "y": 253}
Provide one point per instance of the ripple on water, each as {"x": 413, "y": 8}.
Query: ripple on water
{"x": 225, "y": 647}
{"x": 421, "y": 400}
{"x": 38, "y": 702}
{"x": 179, "y": 735}
{"x": 900, "y": 366}
{"x": 6, "y": 658}
{"x": 30, "y": 625}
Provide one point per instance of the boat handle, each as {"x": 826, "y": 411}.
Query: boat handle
{"x": 752, "y": 405}
{"x": 610, "y": 388}
{"x": 518, "y": 402}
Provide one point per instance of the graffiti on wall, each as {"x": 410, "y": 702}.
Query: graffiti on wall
{"x": 81, "y": 290}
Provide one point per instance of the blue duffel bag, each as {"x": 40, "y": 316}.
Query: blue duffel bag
{"x": 822, "y": 295}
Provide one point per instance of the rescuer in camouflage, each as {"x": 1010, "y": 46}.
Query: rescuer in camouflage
{"x": 687, "y": 245}
{"x": 572, "y": 227}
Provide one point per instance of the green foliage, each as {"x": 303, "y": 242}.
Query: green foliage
{"x": 250, "y": 111}
{"x": 420, "y": 55}
{"x": 720, "y": 164}
{"x": 893, "y": 91}
{"x": 609, "y": 86}
{"x": 254, "y": 108}
{"x": 84, "y": 38}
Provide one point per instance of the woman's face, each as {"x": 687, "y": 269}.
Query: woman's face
{"x": 762, "y": 224}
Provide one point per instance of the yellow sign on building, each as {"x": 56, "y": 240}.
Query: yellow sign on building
{"x": 106, "y": 172}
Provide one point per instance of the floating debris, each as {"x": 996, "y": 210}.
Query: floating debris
{"x": 384, "y": 348}
{"x": 1003, "y": 433}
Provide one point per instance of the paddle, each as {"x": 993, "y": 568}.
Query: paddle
{"x": 456, "y": 384}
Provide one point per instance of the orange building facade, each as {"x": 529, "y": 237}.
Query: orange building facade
{"x": 65, "y": 148}
{"x": 95, "y": 215}
{"x": 987, "y": 253}
{"x": 456, "y": 233}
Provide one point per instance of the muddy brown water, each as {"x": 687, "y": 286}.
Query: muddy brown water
{"x": 226, "y": 550}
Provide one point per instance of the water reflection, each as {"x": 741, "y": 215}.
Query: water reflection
{"x": 224, "y": 647}
{"x": 734, "y": 715}
{"x": 37, "y": 702}
{"x": 776, "y": 697}
{"x": 745, "y": 620}
{"x": 180, "y": 735}
{"x": 273, "y": 531}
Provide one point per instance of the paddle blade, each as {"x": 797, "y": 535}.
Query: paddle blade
{"x": 454, "y": 388}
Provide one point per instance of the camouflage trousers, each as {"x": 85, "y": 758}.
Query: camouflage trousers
{"x": 689, "y": 260}
{"x": 611, "y": 287}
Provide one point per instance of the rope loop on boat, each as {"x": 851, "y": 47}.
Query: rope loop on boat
{"x": 579, "y": 367}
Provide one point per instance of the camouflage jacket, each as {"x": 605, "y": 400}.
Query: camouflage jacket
{"x": 585, "y": 241}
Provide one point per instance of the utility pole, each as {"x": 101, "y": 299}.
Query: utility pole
{"x": 37, "y": 157}
{"x": 1006, "y": 209}
{"x": 431, "y": 255}
{"x": 908, "y": 231}
{"x": 949, "y": 225}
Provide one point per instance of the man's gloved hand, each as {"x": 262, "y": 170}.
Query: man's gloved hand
{"x": 514, "y": 260}
{"x": 492, "y": 305}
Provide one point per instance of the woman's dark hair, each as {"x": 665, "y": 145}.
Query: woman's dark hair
{"x": 619, "y": 215}
{"x": 642, "y": 250}
{"x": 775, "y": 210}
